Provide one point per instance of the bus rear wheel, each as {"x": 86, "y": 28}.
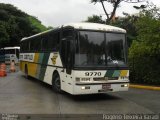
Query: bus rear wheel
{"x": 56, "y": 83}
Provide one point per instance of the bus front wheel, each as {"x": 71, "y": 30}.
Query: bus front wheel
{"x": 56, "y": 83}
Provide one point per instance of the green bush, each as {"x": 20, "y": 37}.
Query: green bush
{"x": 144, "y": 68}
{"x": 144, "y": 53}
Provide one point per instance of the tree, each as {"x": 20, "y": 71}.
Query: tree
{"x": 144, "y": 54}
{"x": 15, "y": 24}
{"x": 115, "y": 4}
{"x": 95, "y": 19}
{"x": 36, "y": 24}
{"x": 4, "y": 37}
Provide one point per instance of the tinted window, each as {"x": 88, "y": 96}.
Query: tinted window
{"x": 99, "y": 49}
{"x": 67, "y": 35}
{"x": 35, "y": 44}
{"x": 10, "y": 51}
{"x": 90, "y": 49}
{"x": 115, "y": 48}
{"x": 44, "y": 42}
{"x": 50, "y": 41}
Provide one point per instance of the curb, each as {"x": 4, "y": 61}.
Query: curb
{"x": 144, "y": 87}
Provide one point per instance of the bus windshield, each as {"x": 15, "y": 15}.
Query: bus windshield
{"x": 10, "y": 51}
{"x": 99, "y": 49}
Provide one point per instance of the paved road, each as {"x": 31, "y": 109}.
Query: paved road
{"x": 22, "y": 96}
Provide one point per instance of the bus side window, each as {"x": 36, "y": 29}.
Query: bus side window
{"x": 44, "y": 43}
{"x": 31, "y": 44}
{"x": 53, "y": 41}
{"x": 57, "y": 40}
{"x": 50, "y": 41}
{"x": 37, "y": 43}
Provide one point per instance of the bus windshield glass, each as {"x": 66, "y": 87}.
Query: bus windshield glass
{"x": 10, "y": 51}
{"x": 99, "y": 49}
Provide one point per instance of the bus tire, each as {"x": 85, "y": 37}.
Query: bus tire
{"x": 26, "y": 72}
{"x": 56, "y": 83}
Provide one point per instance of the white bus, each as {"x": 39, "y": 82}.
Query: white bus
{"x": 78, "y": 58}
{"x": 11, "y": 54}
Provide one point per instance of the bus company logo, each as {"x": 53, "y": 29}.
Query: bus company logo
{"x": 54, "y": 58}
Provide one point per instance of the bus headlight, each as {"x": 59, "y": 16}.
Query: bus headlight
{"x": 85, "y": 87}
{"x": 125, "y": 85}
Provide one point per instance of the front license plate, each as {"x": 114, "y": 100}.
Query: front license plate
{"x": 106, "y": 86}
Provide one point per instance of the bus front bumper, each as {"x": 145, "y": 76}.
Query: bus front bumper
{"x": 100, "y": 88}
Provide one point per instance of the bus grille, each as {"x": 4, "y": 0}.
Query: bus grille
{"x": 105, "y": 78}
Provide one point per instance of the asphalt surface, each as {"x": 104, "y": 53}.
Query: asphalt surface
{"x": 19, "y": 95}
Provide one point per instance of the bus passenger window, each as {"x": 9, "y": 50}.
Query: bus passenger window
{"x": 44, "y": 43}
{"x": 53, "y": 41}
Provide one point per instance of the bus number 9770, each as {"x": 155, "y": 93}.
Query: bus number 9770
{"x": 92, "y": 73}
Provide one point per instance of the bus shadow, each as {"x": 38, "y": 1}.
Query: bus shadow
{"x": 82, "y": 98}
{"x": 36, "y": 81}
{"x": 92, "y": 97}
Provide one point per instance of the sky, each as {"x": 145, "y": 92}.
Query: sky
{"x": 57, "y": 12}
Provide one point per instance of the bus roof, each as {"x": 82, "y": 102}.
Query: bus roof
{"x": 85, "y": 26}
{"x": 37, "y": 34}
{"x": 8, "y": 48}
{"x": 95, "y": 26}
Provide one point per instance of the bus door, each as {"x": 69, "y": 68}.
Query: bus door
{"x": 67, "y": 49}
{"x": 67, "y": 59}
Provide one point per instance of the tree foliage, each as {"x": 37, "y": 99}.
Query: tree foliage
{"x": 15, "y": 24}
{"x": 116, "y": 4}
{"x": 143, "y": 35}
{"x": 144, "y": 54}
{"x": 127, "y": 23}
{"x": 95, "y": 19}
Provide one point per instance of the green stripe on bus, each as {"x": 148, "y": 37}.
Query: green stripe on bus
{"x": 41, "y": 56}
{"x": 116, "y": 73}
{"x": 44, "y": 65}
{"x": 38, "y": 71}
{"x": 109, "y": 73}
{"x": 39, "y": 67}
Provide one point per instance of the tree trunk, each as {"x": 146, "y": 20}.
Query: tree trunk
{"x": 104, "y": 9}
{"x": 114, "y": 11}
